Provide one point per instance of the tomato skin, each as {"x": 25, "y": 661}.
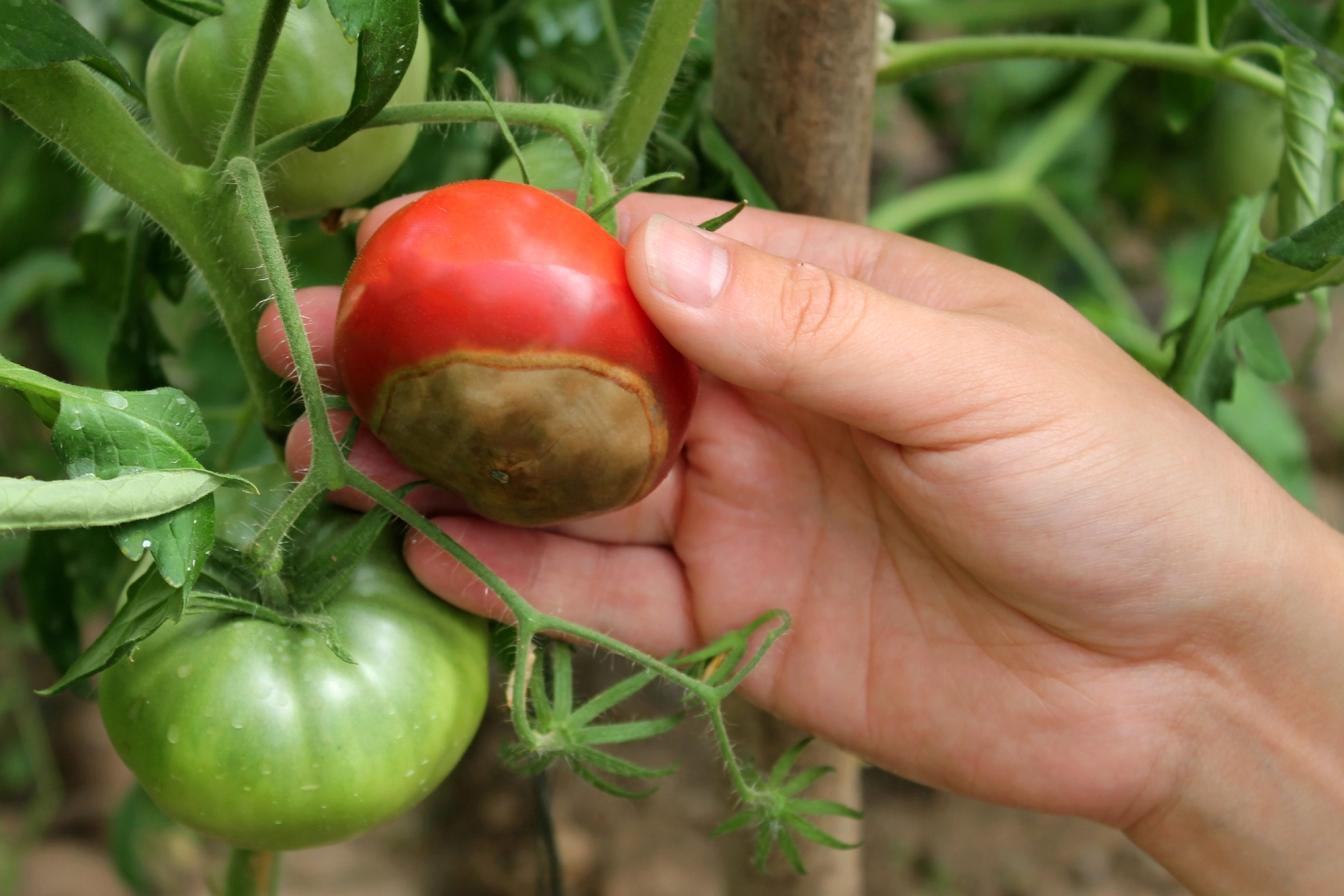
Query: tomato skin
{"x": 194, "y": 73}
{"x": 486, "y": 299}
{"x": 551, "y": 165}
{"x": 260, "y": 735}
{"x": 1243, "y": 142}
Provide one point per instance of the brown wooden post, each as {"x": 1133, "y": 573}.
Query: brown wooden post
{"x": 793, "y": 91}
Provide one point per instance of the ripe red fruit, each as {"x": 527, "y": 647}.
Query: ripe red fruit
{"x": 488, "y": 336}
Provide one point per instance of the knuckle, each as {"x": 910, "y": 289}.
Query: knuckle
{"x": 819, "y": 314}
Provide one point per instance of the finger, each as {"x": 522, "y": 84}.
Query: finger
{"x": 317, "y": 305}
{"x": 635, "y": 593}
{"x": 373, "y": 459}
{"x": 379, "y": 214}
{"x": 652, "y": 520}
{"x": 913, "y": 269}
{"x": 825, "y": 342}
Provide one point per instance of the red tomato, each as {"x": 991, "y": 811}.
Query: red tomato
{"x": 489, "y": 337}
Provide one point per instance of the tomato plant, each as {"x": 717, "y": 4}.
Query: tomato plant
{"x": 258, "y": 732}
{"x": 192, "y": 82}
{"x": 488, "y": 335}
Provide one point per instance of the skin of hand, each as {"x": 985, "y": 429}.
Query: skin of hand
{"x": 1019, "y": 567}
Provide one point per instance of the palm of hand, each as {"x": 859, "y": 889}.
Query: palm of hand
{"x": 901, "y": 647}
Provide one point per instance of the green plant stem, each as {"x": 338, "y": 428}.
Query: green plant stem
{"x": 1225, "y": 270}
{"x": 1015, "y": 182}
{"x": 1086, "y": 253}
{"x": 1202, "y": 39}
{"x": 567, "y": 122}
{"x": 550, "y": 848}
{"x": 906, "y": 60}
{"x": 639, "y": 97}
{"x": 252, "y": 873}
{"x": 1078, "y": 110}
{"x": 71, "y": 106}
{"x": 947, "y": 196}
{"x": 256, "y": 217}
{"x": 980, "y": 13}
{"x": 240, "y": 133}
{"x": 324, "y": 473}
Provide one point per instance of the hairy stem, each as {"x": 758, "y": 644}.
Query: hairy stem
{"x": 74, "y": 108}
{"x": 567, "y": 122}
{"x": 642, "y": 91}
{"x": 240, "y": 133}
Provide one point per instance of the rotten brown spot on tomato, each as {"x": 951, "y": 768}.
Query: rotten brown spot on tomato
{"x": 527, "y": 439}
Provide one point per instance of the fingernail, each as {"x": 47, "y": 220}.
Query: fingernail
{"x": 684, "y": 264}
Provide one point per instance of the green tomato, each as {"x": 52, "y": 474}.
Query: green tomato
{"x": 259, "y": 734}
{"x": 550, "y": 164}
{"x": 1243, "y": 142}
{"x": 193, "y": 78}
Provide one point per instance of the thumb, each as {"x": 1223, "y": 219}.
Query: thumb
{"x": 818, "y": 339}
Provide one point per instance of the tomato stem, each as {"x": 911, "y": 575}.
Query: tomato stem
{"x": 252, "y": 873}
{"x": 642, "y": 91}
{"x": 75, "y": 109}
{"x": 567, "y": 122}
{"x": 907, "y": 60}
{"x": 240, "y": 133}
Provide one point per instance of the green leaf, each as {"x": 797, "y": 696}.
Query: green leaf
{"x": 387, "y": 31}
{"x": 37, "y": 34}
{"x": 180, "y": 541}
{"x": 1259, "y": 345}
{"x": 1294, "y": 264}
{"x": 611, "y": 696}
{"x": 108, "y": 435}
{"x": 735, "y": 823}
{"x": 1201, "y": 370}
{"x": 188, "y": 12}
{"x": 33, "y": 504}
{"x": 624, "y": 732}
{"x": 606, "y": 205}
{"x": 719, "y": 221}
{"x": 784, "y": 764}
{"x": 1307, "y": 107}
{"x": 150, "y": 602}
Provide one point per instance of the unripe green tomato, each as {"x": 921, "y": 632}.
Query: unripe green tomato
{"x": 259, "y": 734}
{"x": 194, "y": 74}
{"x": 1243, "y": 142}
{"x": 551, "y": 165}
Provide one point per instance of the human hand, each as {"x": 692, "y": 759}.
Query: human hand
{"x": 1019, "y": 567}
